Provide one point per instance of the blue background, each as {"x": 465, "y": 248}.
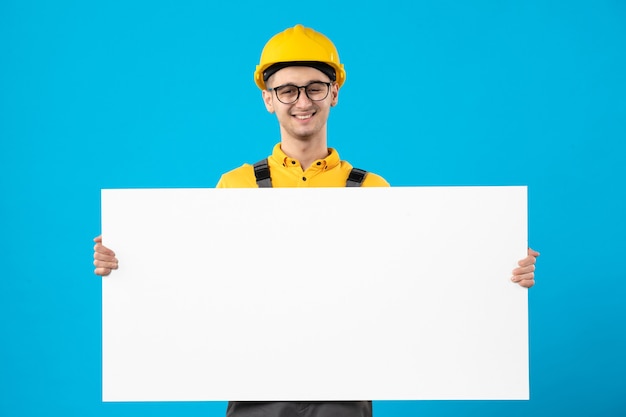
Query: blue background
{"x": 160, "y": 94}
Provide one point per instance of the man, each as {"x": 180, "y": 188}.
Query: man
{"x": 300, "y": 75}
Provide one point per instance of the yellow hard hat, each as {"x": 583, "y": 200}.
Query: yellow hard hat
{"x": 299, "y": 46}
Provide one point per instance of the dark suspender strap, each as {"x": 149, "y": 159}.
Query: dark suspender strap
{"x": 356, "y": 177}
{"x": 262, "y": 174}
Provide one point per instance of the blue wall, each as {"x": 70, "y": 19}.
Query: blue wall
{"x": 160, "y": 94}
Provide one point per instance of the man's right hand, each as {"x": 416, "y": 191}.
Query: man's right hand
{"x": 103, "y": 258}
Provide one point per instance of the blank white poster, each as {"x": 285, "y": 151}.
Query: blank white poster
{"x": 398, "y": 293}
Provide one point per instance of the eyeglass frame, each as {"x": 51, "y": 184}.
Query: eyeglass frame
{"x": 300, "y": 87}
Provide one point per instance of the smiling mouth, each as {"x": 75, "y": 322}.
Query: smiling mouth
{"x": 303, "y": 116}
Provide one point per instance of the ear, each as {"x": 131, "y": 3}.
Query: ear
{"x": 268, "y": 100}
{"x": 334, "y": 94}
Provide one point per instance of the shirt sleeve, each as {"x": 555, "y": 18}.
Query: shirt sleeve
{"x": 374, "y": 180}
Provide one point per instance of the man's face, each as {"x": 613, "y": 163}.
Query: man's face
{"x": 304, "y": 119}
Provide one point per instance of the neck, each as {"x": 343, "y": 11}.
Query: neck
{"x": 306, "y": 151}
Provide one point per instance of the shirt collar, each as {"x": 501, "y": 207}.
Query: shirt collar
{"x": 329, "y": 162}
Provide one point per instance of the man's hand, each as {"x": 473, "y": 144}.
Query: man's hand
{"x": 103, "y": 258}
{"x": 524, "y": 275}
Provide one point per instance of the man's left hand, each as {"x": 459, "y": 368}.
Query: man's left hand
{"x": 524, "y": 274}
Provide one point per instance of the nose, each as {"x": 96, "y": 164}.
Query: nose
{"x": 303, "y": 98}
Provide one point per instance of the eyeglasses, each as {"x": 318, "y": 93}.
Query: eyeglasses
{"x": 289, "y": 94}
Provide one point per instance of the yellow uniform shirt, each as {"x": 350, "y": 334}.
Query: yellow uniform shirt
{"x": 287, "y": 172}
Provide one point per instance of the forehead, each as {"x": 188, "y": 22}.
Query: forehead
{"x": 297, "y": 76}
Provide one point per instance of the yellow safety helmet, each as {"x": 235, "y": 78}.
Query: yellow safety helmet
{"x": 299, "y": 46}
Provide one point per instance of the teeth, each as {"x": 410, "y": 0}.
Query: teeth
{"x": 308, "y": 116}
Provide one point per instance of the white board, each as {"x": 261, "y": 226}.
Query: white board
{"x": 315, "y": 294}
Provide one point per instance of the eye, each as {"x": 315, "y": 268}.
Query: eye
{"x": 316, "y": 88}
{"x": 286, "y": 90}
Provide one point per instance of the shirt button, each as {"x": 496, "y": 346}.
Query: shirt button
{"x": 293, "y": 162}
{"x": 319, "y": 163}
{"x": 303, "y": 178}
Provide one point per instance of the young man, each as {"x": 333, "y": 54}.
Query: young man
{"x": 300, "y": 75}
